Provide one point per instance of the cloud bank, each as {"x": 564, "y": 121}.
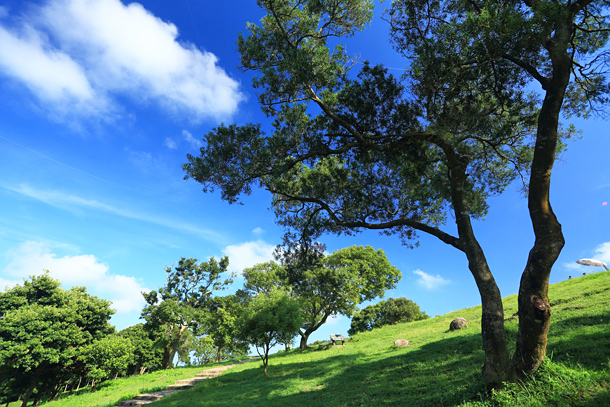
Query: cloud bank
{"x": 32, "y": 258}
{"x": 82, "y": 55}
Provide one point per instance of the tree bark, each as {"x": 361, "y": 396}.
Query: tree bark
{"x": 534, "y": 304}
{"x": 304, "y": 337}
{"x": 496, "y": 369}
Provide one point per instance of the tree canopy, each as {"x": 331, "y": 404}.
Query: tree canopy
{"x": 43, "y": 330}
{"x": 178, "y": 304}
{"x": 389, "y": 312}
{"x": 269, "y": 319}
{"x": 370, "y": 151}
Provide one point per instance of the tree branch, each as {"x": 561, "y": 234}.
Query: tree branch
{"x": 444, "y": 237}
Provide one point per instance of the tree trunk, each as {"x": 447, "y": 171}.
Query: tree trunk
{"x": 173, "y": 348}
{"x": 534, "y": 304}
{"x": 219, "y": 354}
{"x": 496, "y": 369}
{"x": 30, "y": 390}
{"x": 304, "y": 336}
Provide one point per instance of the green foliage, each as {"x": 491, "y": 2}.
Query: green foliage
{"x": 264, "y": 277}
{"x": 221, "y": 324}
{"x": 178, "y": 305}
{"x": 107, "y": 357}
{"x": 388, "y": 312}
{"x": 269, "y": 319}
{"x": 44, "y": 328}
{"x": 340, "y": 282}
{"x": 145, "y": 354}
{"x": 403, "y": 156}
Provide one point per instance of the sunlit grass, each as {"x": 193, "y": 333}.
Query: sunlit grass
{"x": 438, "y": 368}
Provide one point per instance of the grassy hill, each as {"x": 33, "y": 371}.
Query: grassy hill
{"x": 439, "y": 368}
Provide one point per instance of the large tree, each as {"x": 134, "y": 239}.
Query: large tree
{"x": 371, "y": 152}
{"x": 43, "y": 330}
{"x": 177, "y": 306}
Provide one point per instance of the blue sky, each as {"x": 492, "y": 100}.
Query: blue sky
{"x": 103, "y": 99}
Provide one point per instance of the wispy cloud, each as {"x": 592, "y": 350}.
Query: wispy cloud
{"x": 247, "y": 254}
{"x": 192, "y": 141}
{"x": 32, "y": 258}
{"x": 602, "y": 252}
{"x": 79, "y": 55}
{"x": 430, "y": 282}
{"x": 74, "y": 203}
{"x": 170, "y": 143}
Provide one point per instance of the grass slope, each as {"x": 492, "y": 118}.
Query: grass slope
{"x": 439, "y": 368}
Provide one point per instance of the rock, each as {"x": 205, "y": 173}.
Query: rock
{"x": 458, "y": 323}
{"x": 401, "y": 342}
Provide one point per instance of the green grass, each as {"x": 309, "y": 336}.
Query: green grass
{"x": 439, "y": 368}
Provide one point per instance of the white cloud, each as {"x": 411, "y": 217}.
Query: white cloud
{"x": 333, "y": 320}
{"x": 80, "y": 54}
{"x": 169, "y": 143}
{"x": 51, "y": 74}
{"x": 32, "y": 258}
{"x": 248, "y": 254}
{"x": 602, "y": 252}
{"x": 429, "y": 281}
{"x": 4, "y": 283}
{"x": 192, "y": 141}
{"x": 258, "y": 231}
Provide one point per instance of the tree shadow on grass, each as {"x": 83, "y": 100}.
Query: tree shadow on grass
{"x": 586, "y": 341}
{"x": 443, "y": 373}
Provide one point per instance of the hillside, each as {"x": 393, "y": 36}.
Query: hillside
{"x": 439, "y": 368}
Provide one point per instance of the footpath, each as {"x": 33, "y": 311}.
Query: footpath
{"x": 143, "y": 399}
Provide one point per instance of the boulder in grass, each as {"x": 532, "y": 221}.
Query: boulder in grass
{"x": 458, "y": 323}
{"x": 401, "y": 342}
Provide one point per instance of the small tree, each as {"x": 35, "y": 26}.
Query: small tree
{"x": 107, "y": 358}
{"x": 145, "y": 355}
{"x": 268, "y": 320}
